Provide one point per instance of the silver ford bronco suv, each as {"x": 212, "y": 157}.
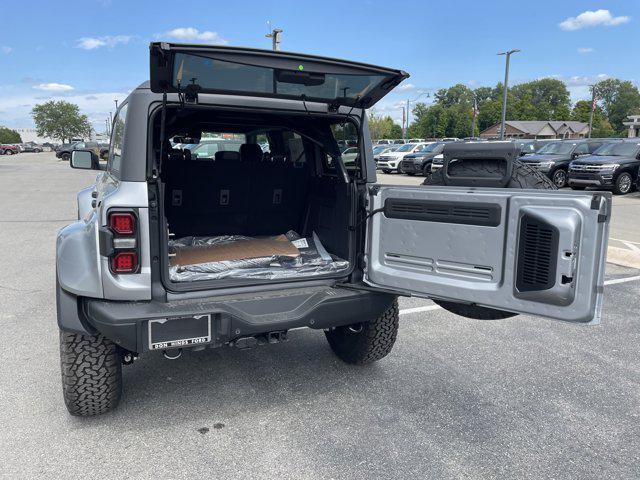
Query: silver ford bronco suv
{"x": 227, "y": 216}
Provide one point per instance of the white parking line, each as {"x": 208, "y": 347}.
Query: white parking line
{"x": 621, "y": 280}
{"x": 428, "y": 308}
{"x": 623, "y": 241}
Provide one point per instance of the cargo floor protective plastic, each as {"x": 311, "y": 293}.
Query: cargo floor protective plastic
{"x": 313, "y": 260}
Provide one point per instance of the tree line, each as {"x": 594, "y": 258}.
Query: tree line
{"x": 451, "y": 113}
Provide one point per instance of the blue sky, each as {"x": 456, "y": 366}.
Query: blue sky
{"x": 94, "y": 51}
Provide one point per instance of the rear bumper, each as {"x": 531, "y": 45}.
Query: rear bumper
{"x": 237, "y": 316}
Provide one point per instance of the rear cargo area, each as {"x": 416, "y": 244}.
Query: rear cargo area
{"x": 268, "y": 211}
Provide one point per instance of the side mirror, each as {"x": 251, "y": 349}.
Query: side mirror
{"x": 85, "y": 160}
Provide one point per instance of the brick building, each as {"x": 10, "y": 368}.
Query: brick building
{"x": 538, "y": 129}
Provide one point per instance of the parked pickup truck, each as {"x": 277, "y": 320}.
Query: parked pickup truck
{"x": 9, "y": 150}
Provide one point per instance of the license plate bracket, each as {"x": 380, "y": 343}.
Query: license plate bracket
{"x": 178, "y": 332}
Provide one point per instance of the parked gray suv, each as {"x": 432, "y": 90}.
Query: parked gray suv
{"x": 176, "y": 252}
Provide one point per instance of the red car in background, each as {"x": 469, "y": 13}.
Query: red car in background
{"x": 9, "y": 150}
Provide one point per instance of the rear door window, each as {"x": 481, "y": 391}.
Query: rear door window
{"x": 117, "y": 141}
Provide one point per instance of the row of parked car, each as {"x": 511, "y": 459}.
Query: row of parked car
{"x": 611, "y": 163}
{"x": 64, "y": 151}
{"x": 16, "y": 148}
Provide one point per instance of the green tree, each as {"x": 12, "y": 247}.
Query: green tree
{"x": 544, "y": 99}
{"x": 601, "y": 126}
{"x": 60, "y": 120}
{"x": 9, "y": 136}
{"x": 619, "y": 98}
{"x": 383, "y": 127}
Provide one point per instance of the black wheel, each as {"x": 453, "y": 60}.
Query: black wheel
{"x": 577, "y": 187}
{"x": 623, "y": 184}
{"x": 399, "y": 168}
{"x": 8, "y": 152}
{"x": 386, "y": 171}
{"x": 426, "y": 170}
{"x": 65, "y": 156}
{"x": 559, "y": 178}
{"x": 366, "y": 342}
{"x": 523, "y": 176}
{"x": 411, "y": 174}
{"x": 91, "y": 374}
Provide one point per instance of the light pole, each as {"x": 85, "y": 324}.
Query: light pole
{"x": 475, "y": 114}
{"x": 593, "y": 107}
{"x": 276, "y": 36}
{"x": 115, "y": 100}
{"x": 408, "y": 110}
{"x": 504, "y": 93}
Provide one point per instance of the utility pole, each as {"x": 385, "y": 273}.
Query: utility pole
{"x": 115, "y": 100}
{"x": 275, "y": 35}
{"x": 504, "y": 93}
{"x": 593, "y": 107}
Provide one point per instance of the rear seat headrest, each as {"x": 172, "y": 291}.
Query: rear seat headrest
{"x": 250, "y": 152}
{"x": 175, "y": 155}
{"x": 227, "y": 155}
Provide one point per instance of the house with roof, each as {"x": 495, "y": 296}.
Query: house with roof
{"x": 538, "y": 129}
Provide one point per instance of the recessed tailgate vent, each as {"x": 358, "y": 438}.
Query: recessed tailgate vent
{"x": 537, "y": 255}
{"x": 466, "y": 213}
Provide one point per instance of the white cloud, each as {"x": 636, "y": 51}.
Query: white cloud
{"x": 585, "y": 50}
{"x": 53, "y": 87}
{"x": 592, "y": 19}
{"x": 6, "y": 49}
{"x": 406, "y": 87}
{"x": 91, "y": 43}
{"x": 189, "y": 34}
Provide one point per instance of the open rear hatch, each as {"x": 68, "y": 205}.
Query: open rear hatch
{"x": 193, "y": 69}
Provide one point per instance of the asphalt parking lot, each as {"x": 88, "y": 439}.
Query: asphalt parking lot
{"x": 457, "y": 398}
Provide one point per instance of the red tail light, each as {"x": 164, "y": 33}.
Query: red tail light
{"x": 124, "y": 258}
{"x": 124, "y": 262}
{"x": 122, "y": 223}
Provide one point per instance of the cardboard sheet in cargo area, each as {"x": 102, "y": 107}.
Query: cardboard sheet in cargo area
{"x": 237, "y": 250}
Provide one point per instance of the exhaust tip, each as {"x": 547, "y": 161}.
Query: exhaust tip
{"x": 172, "y": 354}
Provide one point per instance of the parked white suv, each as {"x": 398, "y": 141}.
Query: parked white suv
{"x": 391, "y": 160}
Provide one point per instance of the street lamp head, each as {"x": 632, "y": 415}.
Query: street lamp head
{"x": 515, "y": 50}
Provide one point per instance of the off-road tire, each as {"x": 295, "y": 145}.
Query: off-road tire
{"x": 618, "y": 188}
{"x": 367, "y": 342}
{"x": 91, "y": 374}
{"x": 523, "y": 176}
